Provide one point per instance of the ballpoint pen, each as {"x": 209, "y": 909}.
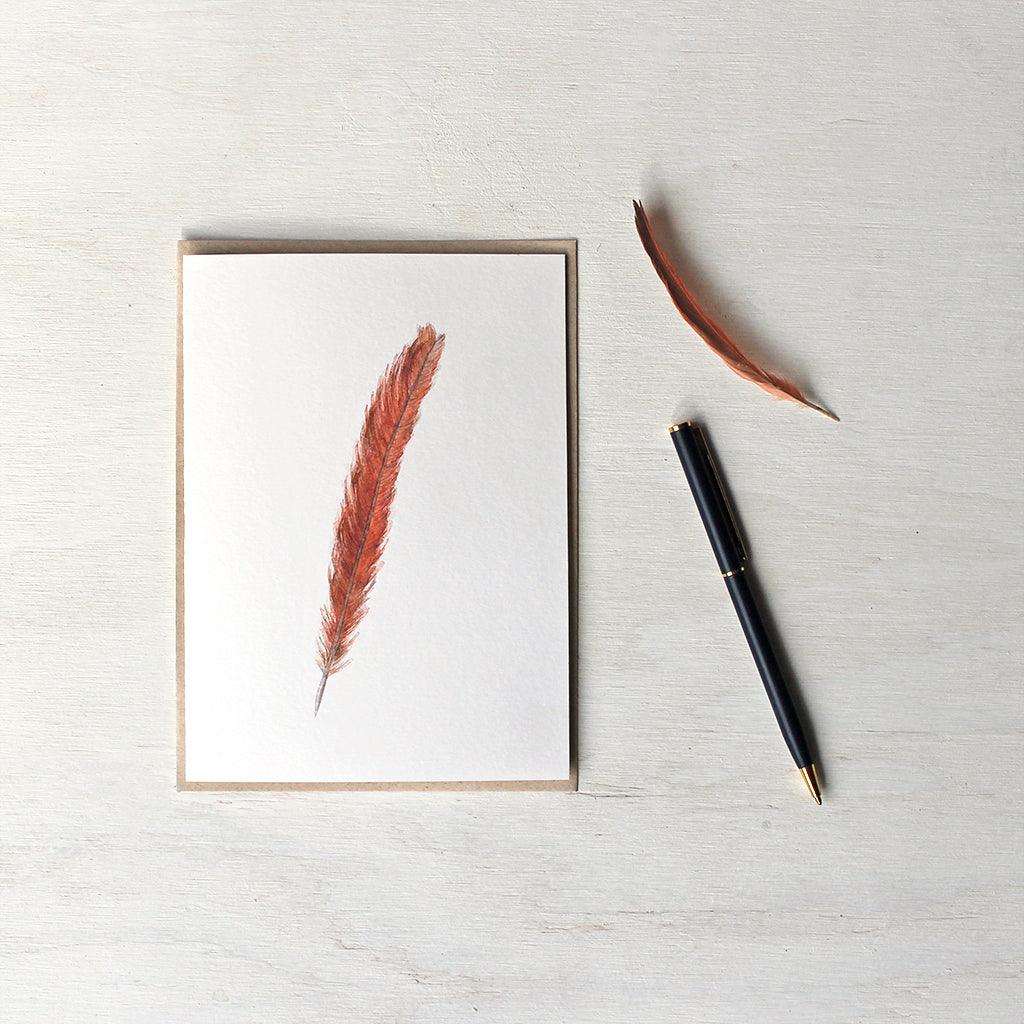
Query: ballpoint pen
{"x": 727, "y": 544}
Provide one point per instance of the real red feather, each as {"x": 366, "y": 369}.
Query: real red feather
{"x": 712, "y": 334}
{"x": 361, "y": 530}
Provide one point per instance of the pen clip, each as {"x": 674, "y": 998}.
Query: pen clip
{"x": 723, "y": 496}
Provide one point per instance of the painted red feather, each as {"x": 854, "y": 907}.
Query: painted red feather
{"x": 712, "y": 334}
{"x": 361, "y": 530}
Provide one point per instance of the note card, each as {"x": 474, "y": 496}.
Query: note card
{"x": 376, "y": 496}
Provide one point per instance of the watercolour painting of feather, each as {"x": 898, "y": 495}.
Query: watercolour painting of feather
{"x": 376, "y": 540}
{"x": 361, "y": 530}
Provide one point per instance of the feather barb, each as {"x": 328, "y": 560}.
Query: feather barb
{"x": 361, "y": 529}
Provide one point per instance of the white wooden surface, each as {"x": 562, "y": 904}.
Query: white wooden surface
{"x": 846, "y": 182}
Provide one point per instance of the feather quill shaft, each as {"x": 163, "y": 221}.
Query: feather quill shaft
{"x": 361, "y": 529}
{"x": 712, "y": 334}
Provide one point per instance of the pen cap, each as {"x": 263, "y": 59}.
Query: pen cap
{"x": 709, "y": 496}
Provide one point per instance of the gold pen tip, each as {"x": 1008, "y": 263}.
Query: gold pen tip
{"x": 811, "y": 778}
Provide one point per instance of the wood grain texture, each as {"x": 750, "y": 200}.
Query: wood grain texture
{"x": 845, "y": 181}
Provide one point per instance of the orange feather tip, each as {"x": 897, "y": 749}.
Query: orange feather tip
{"x": 713, "y": 335}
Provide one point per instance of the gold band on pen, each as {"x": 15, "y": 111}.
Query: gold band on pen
{"x": 732, "y": 572}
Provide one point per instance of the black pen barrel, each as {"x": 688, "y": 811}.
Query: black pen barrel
{"x": 768, "y": 667}
{"x": 708, "y": 495}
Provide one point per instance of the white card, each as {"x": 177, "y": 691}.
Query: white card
{"x": 460, "y": 670}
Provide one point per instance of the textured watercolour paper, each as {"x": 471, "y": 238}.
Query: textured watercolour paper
{"x": 459, "y": 672}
